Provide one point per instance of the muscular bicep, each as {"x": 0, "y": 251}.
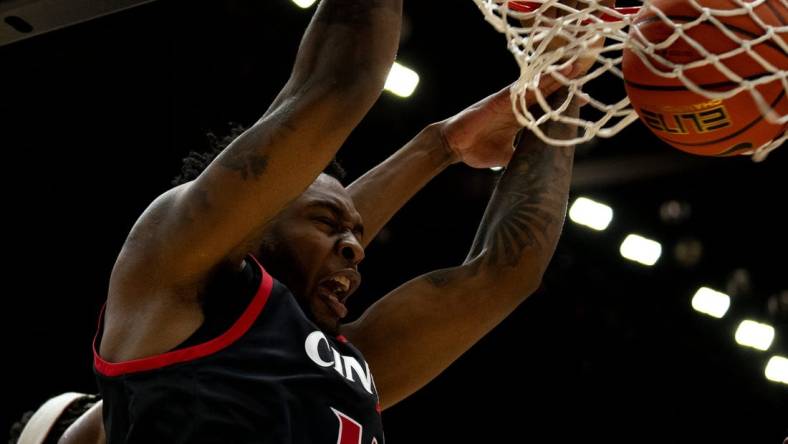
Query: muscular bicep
{"x": 339, "y": 72}
{"x": 411, "y": 335}
{"x": 194, "y": 227}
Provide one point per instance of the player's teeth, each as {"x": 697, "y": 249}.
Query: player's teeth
{"x": 342, "y": 282}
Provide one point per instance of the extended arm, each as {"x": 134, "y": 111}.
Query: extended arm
{"x": 339, "y": 72}
{"x": 480, "y": 136}
{"x": 435, "y": 318}
{"x": 383, "y": 190}
{"x": 521, "y": 226}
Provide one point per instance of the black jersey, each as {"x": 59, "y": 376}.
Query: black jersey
{"x": 272, "y": 377}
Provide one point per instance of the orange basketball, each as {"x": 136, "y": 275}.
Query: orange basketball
{"x": 691, "y": 122}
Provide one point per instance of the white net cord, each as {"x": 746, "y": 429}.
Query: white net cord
{"x": 545, "y": 35}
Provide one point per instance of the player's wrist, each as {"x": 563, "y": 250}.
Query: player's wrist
{"x": 439, "y": 146}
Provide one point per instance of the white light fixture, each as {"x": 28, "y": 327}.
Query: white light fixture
{"x": 711, "y": 302}
{"x": 754, "y": 334}
{"x": 777, "y": 369}
{"x": 304, "y": 3}
{"x": 402, "y": 81}
{"x": 496, "y": 168}
{"x": 591, "y": 214}
{"x": 639, "y": 249}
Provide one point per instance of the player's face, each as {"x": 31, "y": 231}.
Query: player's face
{"x": 314, "y": 248}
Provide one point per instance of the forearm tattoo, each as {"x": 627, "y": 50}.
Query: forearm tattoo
{"x": 526, "y": 211}
{"x": 528, "y": 206}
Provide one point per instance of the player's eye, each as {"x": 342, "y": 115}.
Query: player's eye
{"x": 327, "y": 221}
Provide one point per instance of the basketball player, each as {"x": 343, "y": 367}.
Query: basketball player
{"x": 224, "y": 314}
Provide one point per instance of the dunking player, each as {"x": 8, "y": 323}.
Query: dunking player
{"x": 223, "y": 319}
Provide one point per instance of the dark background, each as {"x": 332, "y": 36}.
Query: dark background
{"x": 96, "y": 117}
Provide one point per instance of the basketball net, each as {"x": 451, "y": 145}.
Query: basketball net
{"x": 544, "y": 35}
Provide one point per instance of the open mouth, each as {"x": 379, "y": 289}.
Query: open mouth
{"x": 336, "y": 288}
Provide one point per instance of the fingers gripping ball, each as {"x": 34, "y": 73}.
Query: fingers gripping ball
{"x": 689, "y": 121}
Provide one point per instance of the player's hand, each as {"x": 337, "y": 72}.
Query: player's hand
{"x": 482, "y": 135}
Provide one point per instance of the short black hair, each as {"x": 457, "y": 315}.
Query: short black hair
{"x": 196, "y": 161}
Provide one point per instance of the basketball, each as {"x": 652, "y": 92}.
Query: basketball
{"x": 691, "y": 122}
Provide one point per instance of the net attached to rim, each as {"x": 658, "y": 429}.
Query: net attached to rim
{"x": 543, "y": 35}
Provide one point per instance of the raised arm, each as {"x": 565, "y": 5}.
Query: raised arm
{"x": 383, "y": 190}
{"x": 339, "y": 72}
{"x": 435, "y": 318}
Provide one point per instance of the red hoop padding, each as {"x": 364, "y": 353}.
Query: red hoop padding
{"x": 522, "y": 6}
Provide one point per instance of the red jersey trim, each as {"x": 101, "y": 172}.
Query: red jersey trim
{"x": 238, "y": 329}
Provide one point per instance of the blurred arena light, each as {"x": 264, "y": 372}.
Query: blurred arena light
{"x": 589, "y": 213}
{"x": 304, "y": 3}
{"x": 777, "y": 369}
{"x": 402, "y": 81}
{"x": 688, "y": 251}
{"x": 640, "y": 249}
{"x": 711, "y": 302}
{"x": 754, "y": 334}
